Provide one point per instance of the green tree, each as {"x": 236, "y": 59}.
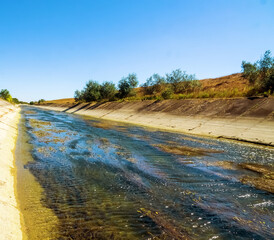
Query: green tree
{"x": 154, "y": 84}
{"x": 126, "y": 85}
{"x": 41, "y": 101}
{"x": 266, "y": 65}
{"x": 176, "y": 79}
{"x": 78, "y": 96}
{"x": 5, "y": 94}
{"x": 15, "y": 100}
{"x": 108, "y": 90}
{"x": 167, "y": 94}
{"x": 261, "y": 73}
{"x": 92, "y": 91}
{"x": 250, "y": 71}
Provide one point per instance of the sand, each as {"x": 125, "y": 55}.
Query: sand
{"x": 10, "y": 227}
{"x": 237, "y": 119}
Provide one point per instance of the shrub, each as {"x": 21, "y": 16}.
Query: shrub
{"x": 126, "y": 86}
{"x": 154, "y": 84}
{"x": 5, "y": 94}
{"x": 167, "y": 94}
{"x": 15, "y": 100}
{"x": 92, "y": 91}
{"x": 79, "y": 96}
{"x": 177, "y": 78}
{"x": 107, "y": 90}
{"x": 261, "y": 73}
{"x": 41, "y": 101}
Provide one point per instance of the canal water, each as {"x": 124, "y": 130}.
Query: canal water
{"x": 81, "y": 178}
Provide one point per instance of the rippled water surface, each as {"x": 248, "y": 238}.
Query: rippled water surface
{"x": 106, "y": 180}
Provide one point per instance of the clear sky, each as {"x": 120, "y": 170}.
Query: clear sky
{"x": 50, "y": 48}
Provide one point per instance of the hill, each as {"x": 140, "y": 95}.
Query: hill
{"x": 234, "y": 85}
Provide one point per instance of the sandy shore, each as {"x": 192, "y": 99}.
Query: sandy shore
{"x": 10, "y": 227}
{"x": 229, "y": 119}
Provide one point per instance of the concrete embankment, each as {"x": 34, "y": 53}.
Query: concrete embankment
{"x": 243, "y": 119}
{"x": 10, "y": 227}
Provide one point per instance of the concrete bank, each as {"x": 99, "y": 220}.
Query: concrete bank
{"x": 10, "y": 227}
{"x": 243, "y": 119}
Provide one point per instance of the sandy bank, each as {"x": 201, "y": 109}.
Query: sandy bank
{"x": 243, "y": 119}
{"x": 10, "y": 227}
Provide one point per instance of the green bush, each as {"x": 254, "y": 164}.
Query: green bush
{"x": 15, "y": 100}
{"x": 180, "y": 81}
{"x": 126, "y": 86}
{"x": 5, "y": 94}
{"x": 261, "y": 73}
{"x": 108, "y": 90}
{"x": 41, "y": 101}
{"x": 92, "y": 91}
{"x": 154, "y": 84}
{"x": 167, "y": 94}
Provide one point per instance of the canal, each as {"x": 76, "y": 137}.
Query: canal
{"x": 82, "y": 178}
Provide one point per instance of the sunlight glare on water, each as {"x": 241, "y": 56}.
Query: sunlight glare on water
{"x": 107, "y": 180}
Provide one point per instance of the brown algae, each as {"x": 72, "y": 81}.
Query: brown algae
{"x": 265, "y": 180}
{"x": 185, "y": 150}
{"x": 38, "y": 123}
{"x": 223, "y": 164}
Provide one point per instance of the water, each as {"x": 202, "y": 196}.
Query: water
{"x": 106, "y": 180}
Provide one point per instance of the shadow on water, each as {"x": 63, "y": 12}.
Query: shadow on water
{"x": 105, "y": 180}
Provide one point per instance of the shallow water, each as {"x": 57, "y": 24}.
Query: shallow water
{"x": 106, "y": 180}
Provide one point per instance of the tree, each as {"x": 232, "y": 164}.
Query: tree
{"x": 107, "y": 90}
{"x": 78, "y": 96}
{"x": 41, "y": 101}
{"x": 176, "y": 79}
{"x": 167, "y": 94}
{"x": 261, "y": 73}
{"x": 154, "y": 84}
{"x": 5, "y": 94}
{"x": 266, "y": 65}
{"x": 92, "y": 91}
{"x": 15, "y": 100}
{"x": 250, "y": 71}
{"x": 126, "y": 85}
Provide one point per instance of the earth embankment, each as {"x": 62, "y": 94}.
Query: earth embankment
{"x": 10, "y": 227}
{"x": 243, "y": 119}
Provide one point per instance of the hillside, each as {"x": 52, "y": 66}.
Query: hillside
{"x": 233, "y": 81}
{"x": 225, "y": 84}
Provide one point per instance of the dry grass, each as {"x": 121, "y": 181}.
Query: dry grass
{"x": 61, "y": 101}
{"x": 233, "y": 85}
{"x": 226, "y": 83}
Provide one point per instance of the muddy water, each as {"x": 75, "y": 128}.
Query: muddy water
{"x": 82, "y": 178}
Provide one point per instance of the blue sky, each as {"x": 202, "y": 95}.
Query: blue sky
{"x": 50, "y": 48}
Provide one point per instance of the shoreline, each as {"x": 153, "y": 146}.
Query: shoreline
{"x": 167, "y": 116}
{"x": 10, "y": 215}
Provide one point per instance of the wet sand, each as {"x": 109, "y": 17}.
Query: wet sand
{"x": 10, "y": 227}
{"x": 237, "y": 119}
